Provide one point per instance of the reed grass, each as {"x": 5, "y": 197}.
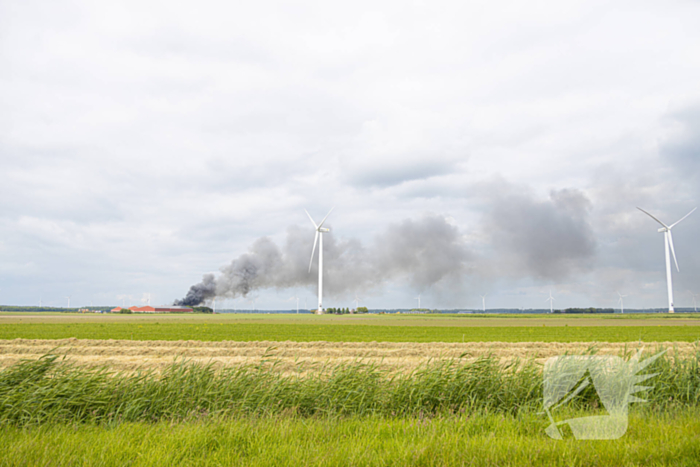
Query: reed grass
{"x": 51, "y": 389}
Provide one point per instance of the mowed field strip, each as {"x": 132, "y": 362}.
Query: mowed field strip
{"x": 129, "y": 355}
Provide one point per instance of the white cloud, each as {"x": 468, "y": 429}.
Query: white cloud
{"x": 145, "y": 143}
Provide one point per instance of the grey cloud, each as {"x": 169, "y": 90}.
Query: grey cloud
{"x": 547, "y": 239}
{"x": 683, "y": 149}
{"x": 400, "y": 171}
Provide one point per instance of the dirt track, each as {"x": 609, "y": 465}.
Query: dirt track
{"x": 130, "y": 355}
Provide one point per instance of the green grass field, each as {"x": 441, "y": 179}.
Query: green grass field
{"x": 494, "y": 440}
{"x": 52, "y": 413}
{"x": 394, "y": 328}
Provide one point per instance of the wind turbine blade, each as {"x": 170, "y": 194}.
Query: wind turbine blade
{"x": 311, "y": 218}
{"x": 682, "y": 218}
{"x": 653, "y": 217}
{"x": 324, "y": 219}
{"x": 313, "y": 250}
{"x": 673, "y": 250}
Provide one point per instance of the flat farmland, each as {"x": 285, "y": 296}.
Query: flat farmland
{"x": 394, "y": 342}
{"x": 327, "y": 390}
{"x": 373, "y": 328}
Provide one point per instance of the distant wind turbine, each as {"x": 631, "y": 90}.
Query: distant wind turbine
{"x": 551, "y": 302}
{"x": 668, "y": 245}
{"x": 320, "y": 230}
{"x": 483, "y": 302}
{"x": 68, "y": 297}
{"x": 622, "y": 303}
{"x": 418, "y": 298}
{"x": 357, "y": 302}
{"x": 297, "y": 299}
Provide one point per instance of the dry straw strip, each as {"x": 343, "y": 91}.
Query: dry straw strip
{"x": 129, "y": 355}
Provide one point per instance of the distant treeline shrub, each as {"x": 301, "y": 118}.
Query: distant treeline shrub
{"x": 53, "y": 390}
{"x": 202, "y": 309}
{"x": 338, "y": 311}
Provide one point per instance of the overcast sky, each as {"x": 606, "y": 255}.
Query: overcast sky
{"x": 468, "y": 148}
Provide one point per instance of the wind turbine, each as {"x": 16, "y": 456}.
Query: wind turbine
{"x": 146, "y": 298}
{"x": 418, "y": 298}
{"x": 320, "y": 230}
{"x": 668, "y": 245}
{"x": 622, "y": 303}
{"x": 297, "y": 299}
{"x": 551, "y": 302}
{"x": 483, "y": 302}
{"x": 357, "y": 302}
{"x": 68, "y": 297}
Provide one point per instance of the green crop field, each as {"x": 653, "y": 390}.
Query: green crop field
{"x": 306, "y": 328}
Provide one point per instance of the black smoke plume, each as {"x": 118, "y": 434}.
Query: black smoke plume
{"x": 199, "y": 293}
{"x": 423, "y": 252}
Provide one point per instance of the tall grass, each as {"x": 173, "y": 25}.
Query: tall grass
{"x": 53, "y": 390}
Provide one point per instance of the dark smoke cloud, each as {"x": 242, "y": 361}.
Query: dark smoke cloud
{"x": 423, "y": 252}
{"x": 545, "y": 239}
{"x": 529, "y": 238}
{"x": 198, "y": 293}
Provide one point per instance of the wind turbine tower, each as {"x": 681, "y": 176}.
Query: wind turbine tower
{"x": 320, "y": 230}
{"x": 622, "y": 303}
{"x": 418, "y": 298}
{"x": 68, "y": 297}
{"x": 668, "y": 246}
{"x": 483, "y": 302}
{"x": 295, "y": 297}
{"x": 551, "y": 302}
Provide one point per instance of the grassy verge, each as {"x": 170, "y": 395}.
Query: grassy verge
{"x": 669, "y": 438}
{"x": 242, "y": 331}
